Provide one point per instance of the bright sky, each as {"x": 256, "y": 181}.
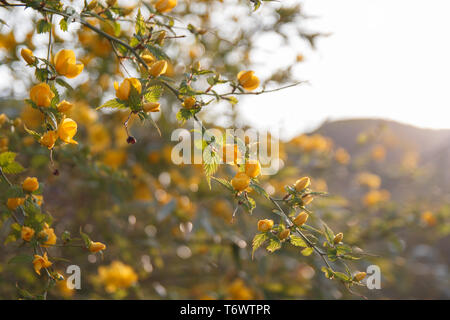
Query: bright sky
{"x": 385, "y": 59}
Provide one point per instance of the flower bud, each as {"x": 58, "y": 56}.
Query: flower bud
{"x": 41, "y": 95}
{"x": 48, "y": 139}
{"x": 302, "y": 183}
{"x": 300, "y": 219}
{"x": 307, "y": 199}
{"x": 253, "y": 169}
{"x": 30, "y": 184}
{"x": 96, "y": 246}
{"x": 13, "y": 203}
{"x": 359, "y": 276}
{"x": 284, "y": 234}
{"x": 248, "y": 80}
{"x": 158, "y": 68}
{"x": 151, "y": 107}
{"x": 27, "y": 55}
{"x": 66, "y": 64}
{"x": 338, "y": 238}
{"x": 189, "y": 103}
{"x": 64, "y": 106}
{"x": 240, "y": 181}
{"x": 164, "y": 6}
{"x": 67, "y": 129}
{"x": 160, "y": 38}
{"x": 265, "y": 225}
{"x": 27, "y": 233}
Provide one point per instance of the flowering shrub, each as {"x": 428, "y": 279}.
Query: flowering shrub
{"x": 114, "y": 181}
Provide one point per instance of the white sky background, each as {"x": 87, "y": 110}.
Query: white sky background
{"x": 384, "y": 59}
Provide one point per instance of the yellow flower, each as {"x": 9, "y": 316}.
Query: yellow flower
{"x": 66, "y": 64}
{"x": 27, "y": 55}
{"x": 240, "y": 181}
{"x": 48, "y": 234}
{"x": 239, "y": 291}
{"x": 265, "y": 225}
{"x": 30, "y": 184}
{"x": 151, "y": 107}
{"x": 253, "y": 169}
{"x": 123, "y": 91}
{"x": 373, "y": 197}
{"x": 117, "y": 276}
{"x": 342, "y": 156}
{"x": 378, "y": 153}
{"x": 300, "y": 219}
{"x": 302, "y": 183}
{"x": 284, "y": 234}
{"x": 338, "y": 238}
{"x": 3, "y": 119}
{"x": 114, "y": 158}
{"x": 13, "y": 203}
{"x": 64, "y": 106}
{"x": 49, "y": 138}
{"x": 158, "y": 68}
{"x": 148, "y": 58}
{"x": 99, "y": 137}
{"x": 369, "y": 179}
{"x": 27, "y": 233}
{"x": 40, "y": 262}
{"x": 189, "y": 102}
{"x": 248, "y": 80}
{"x": 164, "y": 6}
{"x": 42, "y": 95}
{"x": 427, "y": 217}
{"x": 31, "y": 117}
{"x": 67, "y": 129}
{"x": 96, "y": 246}
{"x": 359, "y": 276}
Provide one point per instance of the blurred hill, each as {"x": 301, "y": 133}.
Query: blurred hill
{"x": 410, "y": 161}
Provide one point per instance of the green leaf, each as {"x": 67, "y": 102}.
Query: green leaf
{"x": 7, "y": 158}
{"x": 259, "y": 189}
{"x": 63, "y": 83}
{"x": 153, "y": 94}
{"x": 86, "y": 239}
{"x": 298, "y": 241}
{"x": 158, "y": 53}
{"x": 224, "y": 183}
{"x": 43, "y": 26}
{"x": 307, "y": 251}
{"x": 274, "y": 244}
{"x": 258, "y": 240}
{"x": 63, "y": 24}
{"x": 113, "y": 103}
{"x": 328, "y": 232}
{"x": 13, "y": 168}
{"x": 140, "y": 23}
{"x": 21, "y": 258}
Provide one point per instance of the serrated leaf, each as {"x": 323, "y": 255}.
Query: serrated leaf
{"x": 13, "y": 168}
{"x": 259, "y": 189}
{"x": 64, "y": 83}
{"x": 258, "y": 240}
{"x": 63, "y": 25}
{"x": 328, "y": 232}
{"x": 7, "y": 158}
{"x": 113, "y": 103}
{"x": 297, "y": 241}
{"x": 153, "y": 93}
{"x": 274, "y": 244}
{"x": 43, "y": 26}
{"x": 224, "y": 183}
{"x": 140, "y": 23}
